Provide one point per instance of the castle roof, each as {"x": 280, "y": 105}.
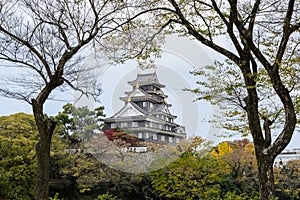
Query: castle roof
{"x": 146, "y": 79}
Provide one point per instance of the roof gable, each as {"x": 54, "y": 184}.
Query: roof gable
{"x": 166, "y": 110}
{"x": 138, "y": 93}
{"x": 128, "y": 110}
{"x": 162, "y": 108}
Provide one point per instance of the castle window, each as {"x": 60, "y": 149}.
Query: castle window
{"x": 146, "y": 135}
{"x": 124, "y": 124}
{"x": 162, "y": 138}
{"x": 113, "y": 125}
{"x": 170, "y": 139}
{"x": 151, "y": 105}
{"x": 144, "y": 104}
{"x": 134, "y": 124}
{"x": 150, "y": 124}
{"x": 154, "y": 136}
{"x": 140, "y": 135}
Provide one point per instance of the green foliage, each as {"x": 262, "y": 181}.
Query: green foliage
{"x": 106, "y": 196}
{"x": 56, "y": 197}
{"x": 78, "y": 124}
{"x": 287, "y": 182}
{"x": 75, "y": 125}
{"x": 244, "y": 196}
{"x": 240, "y": 158}
{"x": 195, "y": 175}
{"x": 18, "y": 136}
{"x": 230, "y": 93}
{"x": 18, "y": 164}
{"x": 227, "y": 171}
{"x": 224, "y": 172}
{"x": 79, "y": 166}
{"x": 83, "y": 169}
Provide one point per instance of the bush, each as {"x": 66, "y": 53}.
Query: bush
{"x": 106, "y": 196}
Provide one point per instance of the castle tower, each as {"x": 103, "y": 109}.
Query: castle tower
{"x": 146, "y": 113}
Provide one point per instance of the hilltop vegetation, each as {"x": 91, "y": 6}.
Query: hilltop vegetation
{"x": 225, "y": 171}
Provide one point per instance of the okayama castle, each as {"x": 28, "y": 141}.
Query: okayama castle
{"x": 146, "y": 113}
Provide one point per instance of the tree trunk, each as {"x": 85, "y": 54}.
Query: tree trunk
{"x": 43, "y": 157}
{"x": 266, "y": 177}
{"x": 45, "y": 128}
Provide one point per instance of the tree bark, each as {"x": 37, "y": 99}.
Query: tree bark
{"x": 43, "y": 157}
{"x": 266, "y": 176}
{"x": 46, "y": 128}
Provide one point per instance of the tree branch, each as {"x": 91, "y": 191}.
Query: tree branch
{"x": 253, "y": 16}
{"x": 286, "y": 34}
{"x": 199, "y": 37}
{"x": 229, "y": 25}
{"x": 29, "y": 46}
{"x": 14, "y": 95}
{"x": 268, "y": 136}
